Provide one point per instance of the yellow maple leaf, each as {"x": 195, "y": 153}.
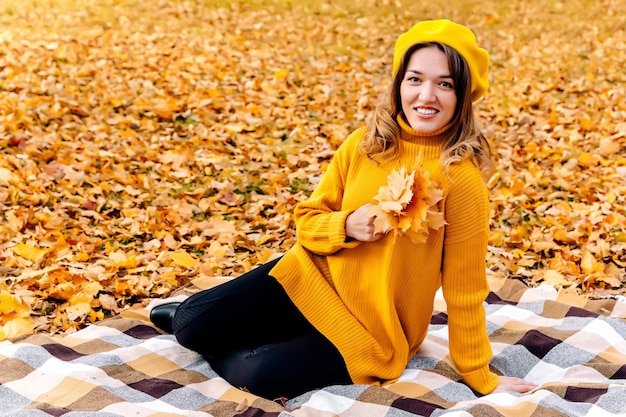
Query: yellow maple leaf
{"x": 16, "y": 328}
{"x": 182, "y": 258}
{"x": 122, "y": 260}
{"x": 9, "y": 303}
{"x": 587, "y": 159}
{"x": 555, "y": 279}
{"x": 266, "y": 255}
{"x": 94, "y": 316}
{"x": 435, "y": 220}
{"x": 397, "y": 194}
{"x": 392, "y": 200}
{"x": 217, "y": 250}
{"x": 83, "y": 256}
{"x": 87, "y": 294}
{"x": 32, "y": 253}
{"x": 383, "y": 221}
{"x": 78, "y": 311}
{"x": 281, "y": 73}
{"x": 62, "y": 291}
{"x": 589, "y": 264}
{"x": 407, "y": 205}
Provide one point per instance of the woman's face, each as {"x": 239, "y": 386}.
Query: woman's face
{"x": 427, "y": 91}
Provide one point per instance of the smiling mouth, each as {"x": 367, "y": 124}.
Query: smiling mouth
{"x": 426, "y": 112}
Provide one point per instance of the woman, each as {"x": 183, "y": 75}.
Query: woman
{"x": 352, "y": 300}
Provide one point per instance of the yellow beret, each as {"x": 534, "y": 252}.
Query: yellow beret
{"x": 454, "y": 35}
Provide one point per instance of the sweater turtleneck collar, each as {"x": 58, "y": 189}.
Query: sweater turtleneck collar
{"x": 432, "y": 142}
{"x": 408, "y": 130}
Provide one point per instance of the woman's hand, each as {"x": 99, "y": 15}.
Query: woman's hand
{"x": 360, "y": 226}
{"x": 509, "y": 383}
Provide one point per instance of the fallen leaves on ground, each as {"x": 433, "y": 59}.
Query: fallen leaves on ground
{"x": 148, "y": 143}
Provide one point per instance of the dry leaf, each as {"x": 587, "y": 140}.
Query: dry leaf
{"x": 407, "y": 205}
{"x": 29, "y": 252}
{"x": 182, "y": 258}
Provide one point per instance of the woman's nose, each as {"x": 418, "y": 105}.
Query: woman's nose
{"x": 427, "y": 92}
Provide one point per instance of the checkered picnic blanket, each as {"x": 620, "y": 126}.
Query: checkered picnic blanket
{"x": 573, "y": 347}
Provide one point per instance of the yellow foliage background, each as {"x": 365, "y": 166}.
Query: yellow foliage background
{"x": 146, "y": 143}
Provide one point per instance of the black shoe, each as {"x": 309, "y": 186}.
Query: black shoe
{"x": 163, "y": 314}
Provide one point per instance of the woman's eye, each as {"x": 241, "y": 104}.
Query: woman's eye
{"x": 446, "y": 84}
{"x": 414, "y": 79}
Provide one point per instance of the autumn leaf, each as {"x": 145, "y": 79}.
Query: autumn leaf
{"x": 15, "y": 318}
{"x": 407, "y": 205}
{"x": 6, "y": 176}
{"x": 16, "y": 328}
{"x": 123, "y": 259}
{"x": 396, "y": 196}
{"x": 10, "y": 304}
{"x": 393, "y": 199}
{"x": 589, "y": 264}
{"x": 555, "y": 279}
{"x": 182, "y": 258}
{"x": 62, "y": 290}
{"x": 29, "y": 252}
{"x": 165, "y": 109}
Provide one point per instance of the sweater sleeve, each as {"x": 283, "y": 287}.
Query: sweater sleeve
{"x": 321, "y": 219}
{"x": 464, "y": 279}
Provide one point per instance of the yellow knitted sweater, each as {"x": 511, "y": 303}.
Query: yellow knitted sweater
{"x": 374, "y": 300}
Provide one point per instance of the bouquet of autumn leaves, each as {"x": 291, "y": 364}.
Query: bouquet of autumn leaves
{"x": 407, "y": 205}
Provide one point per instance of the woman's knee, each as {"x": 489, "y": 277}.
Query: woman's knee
{"x": 284, "y": 369}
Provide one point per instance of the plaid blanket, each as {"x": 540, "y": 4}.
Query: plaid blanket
{"x": 573, "y": 347}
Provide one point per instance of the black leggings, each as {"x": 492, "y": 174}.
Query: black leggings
{"x": 255, "y": 337}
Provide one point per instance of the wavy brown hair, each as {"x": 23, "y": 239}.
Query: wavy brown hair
{"x": 463, "y": 140}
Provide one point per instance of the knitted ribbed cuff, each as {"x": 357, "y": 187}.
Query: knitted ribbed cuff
{"x": 337, "y": 230}
{"x": 482, "y": 380}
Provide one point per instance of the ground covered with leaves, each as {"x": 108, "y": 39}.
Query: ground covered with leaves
{"x": 147, "y": 143}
